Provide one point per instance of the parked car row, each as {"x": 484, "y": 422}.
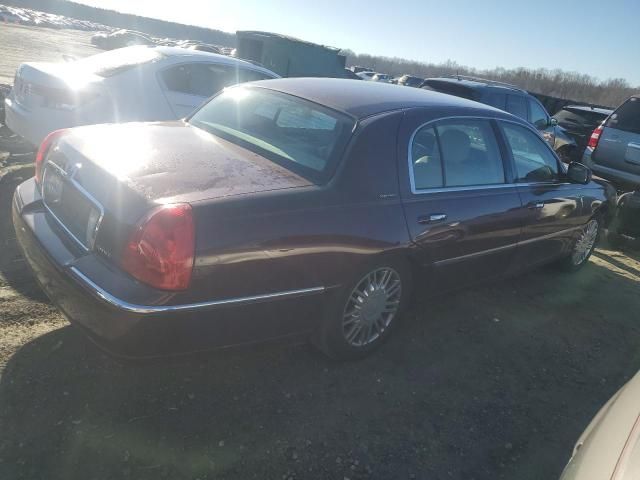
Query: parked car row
{"x": 374, "y": 76}
{"x": 111, "y": 40}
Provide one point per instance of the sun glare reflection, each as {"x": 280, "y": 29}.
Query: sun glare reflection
{"x": 132, "y": 152}
{"x": 238, "y": 93}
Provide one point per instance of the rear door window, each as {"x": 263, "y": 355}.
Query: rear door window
{"x": 206, "y": 79}
{"x": 456, "y": 153}
{"x": 517, "y": 105}
{"x": 470, "y": 153}
{"x": 533, "y": 160}
{"x": 627, "y": 116}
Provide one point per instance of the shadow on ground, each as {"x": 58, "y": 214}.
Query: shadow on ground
{"x": 496, "y": 382}
{"x": 14, "y": 271}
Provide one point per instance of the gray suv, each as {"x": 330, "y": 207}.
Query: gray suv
{"x": 613, "y": 151}
{"x": 512, "y": 99}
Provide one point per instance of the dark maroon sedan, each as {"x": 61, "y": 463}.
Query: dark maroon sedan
{"x": 294, "y": 207}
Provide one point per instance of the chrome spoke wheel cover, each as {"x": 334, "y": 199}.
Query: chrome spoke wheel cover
{"x": 371, "y": 307}
{"x": 585, "y": 243}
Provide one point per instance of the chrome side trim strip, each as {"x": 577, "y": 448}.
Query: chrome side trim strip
{"x": 448, "y": 261}
{"x": 551, "y": 235}
{"x": 147, "y": 309}
{"x": 461, "y": 258}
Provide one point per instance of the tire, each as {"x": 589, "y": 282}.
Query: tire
{"x": 356, "y": 322}
{"x": 583, "y": 246}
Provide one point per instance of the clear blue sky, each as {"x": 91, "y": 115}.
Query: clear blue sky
{"x": 600, "y": 38}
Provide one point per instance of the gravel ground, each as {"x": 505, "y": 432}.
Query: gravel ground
{"x": 20, "y": 43}
{"x": 493, "y": 382}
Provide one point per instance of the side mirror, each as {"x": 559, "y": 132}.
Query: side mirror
{"x": 553, "y": 122}
{"x": 578, "y": 173}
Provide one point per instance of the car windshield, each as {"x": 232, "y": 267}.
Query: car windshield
{"x": 117, "y": 61}
{"x": 299, "y": 135}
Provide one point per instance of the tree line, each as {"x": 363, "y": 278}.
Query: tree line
{"x": 559, "y": 83}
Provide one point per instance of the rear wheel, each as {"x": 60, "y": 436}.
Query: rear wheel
{"x": 584, "y": 246}
{"x": 364, "y": 313}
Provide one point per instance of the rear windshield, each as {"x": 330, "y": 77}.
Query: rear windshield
{"x": 117, "y": 61}
{"x": 580, "y": 117}
{"x": 627, "y": 116}
{"x": 302, "y": 136}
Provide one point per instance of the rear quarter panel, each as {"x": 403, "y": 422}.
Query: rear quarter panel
{"x": 305, "y": 237}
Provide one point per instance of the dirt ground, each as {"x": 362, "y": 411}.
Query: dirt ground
{"x": 493, "y": 382}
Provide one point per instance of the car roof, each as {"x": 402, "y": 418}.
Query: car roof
{"x": 363, "y": 99}
{"x": 202, "y": 55}
{"x": 586, "y": 108}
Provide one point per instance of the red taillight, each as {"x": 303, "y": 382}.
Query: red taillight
{"x": 45, "y": 146}
{"x": 161, "y": 249}
{"x": 595, "y": 137}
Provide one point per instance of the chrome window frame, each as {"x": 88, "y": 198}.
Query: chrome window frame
{"x": 421, "y": 191}
{"x": 69, "y": 179}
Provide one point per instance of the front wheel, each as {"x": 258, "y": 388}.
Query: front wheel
{"x": 584, "y": 246}
{"x": 364, "y": 313}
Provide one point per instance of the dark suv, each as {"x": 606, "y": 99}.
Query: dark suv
{"x": 579, "y": 121}
{"x": 513, "y": 100}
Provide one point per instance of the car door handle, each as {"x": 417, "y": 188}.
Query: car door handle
{"x": 433, "y": 218}
{"x": 535, "y": 205}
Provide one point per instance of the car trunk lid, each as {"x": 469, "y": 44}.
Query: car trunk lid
{"x": 54, "y": 85}
{"x": 168, "y": 162}
{"x": 100, "y": 180}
